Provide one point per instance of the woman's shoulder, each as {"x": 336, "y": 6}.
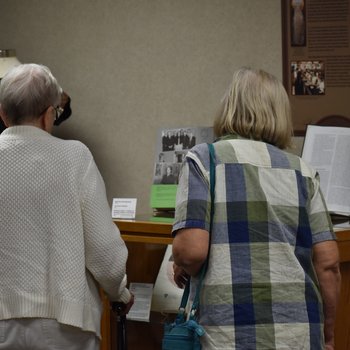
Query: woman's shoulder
{"x": 74, "y": 149}
{"x": 201, "y": 148}
{"x": 72, "y": 144}
{"x": 299, "y": 164}
{"x": 200, "y": 152}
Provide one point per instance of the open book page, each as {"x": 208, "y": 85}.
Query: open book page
{"x": 327, "y": 150}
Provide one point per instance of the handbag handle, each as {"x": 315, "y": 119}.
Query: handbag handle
{"x": 184, "y": 299}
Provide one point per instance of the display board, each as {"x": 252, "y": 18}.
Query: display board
{"x": 171, "y": 148}
{"x": 316, "y": 59}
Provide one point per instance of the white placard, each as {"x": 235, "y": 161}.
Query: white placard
{"x": 124, "y": 208}
{"x": 141, "y": 309}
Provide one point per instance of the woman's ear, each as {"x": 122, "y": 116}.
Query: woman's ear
{"x": 3, "y": 117}
{"x": 47, "y": 119}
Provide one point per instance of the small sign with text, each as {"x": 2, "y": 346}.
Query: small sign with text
{"x": 124, "y": 208}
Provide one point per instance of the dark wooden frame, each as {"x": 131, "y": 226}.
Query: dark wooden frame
{"x": 329, "y": 120}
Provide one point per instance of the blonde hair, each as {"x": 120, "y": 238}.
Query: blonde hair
{"x": 256, "y": 106}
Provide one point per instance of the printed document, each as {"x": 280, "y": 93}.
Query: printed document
{"x": 327, "y": 150}
{"x": 141, "y": 309}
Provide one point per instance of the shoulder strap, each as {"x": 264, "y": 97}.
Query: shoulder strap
{"x": 212, "y": 181}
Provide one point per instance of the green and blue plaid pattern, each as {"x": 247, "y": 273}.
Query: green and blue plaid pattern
{"x": 260, "y": 290}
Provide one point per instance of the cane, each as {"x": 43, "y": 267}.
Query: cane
{"x": 121, "y": 325}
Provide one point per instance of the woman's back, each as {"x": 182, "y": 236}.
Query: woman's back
{"x": 260, "y": 286}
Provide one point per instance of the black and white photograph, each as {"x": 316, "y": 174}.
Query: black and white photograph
{"x": 178, "y": 139}
{"x": 166, "y": 173}
{"x": 308, "y": 78}
{"x": 172, "y": 147}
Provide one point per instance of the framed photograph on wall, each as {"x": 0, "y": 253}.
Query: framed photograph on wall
{"x": 316, "y": 59}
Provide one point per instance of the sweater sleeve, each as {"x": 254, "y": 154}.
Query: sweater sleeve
{"x": 105, "y": 251}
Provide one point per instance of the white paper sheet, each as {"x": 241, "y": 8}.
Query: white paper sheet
{"x": 327, "y": 149}
{"x": 140, "y": 311}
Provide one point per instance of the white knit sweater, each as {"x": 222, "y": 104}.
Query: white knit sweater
{"x": 57, "y": 238}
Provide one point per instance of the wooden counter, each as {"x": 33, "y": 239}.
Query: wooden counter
{"x": 147, "y": 240}
{"x": 145, "y": 231}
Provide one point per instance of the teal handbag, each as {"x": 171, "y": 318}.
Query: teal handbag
{"x": 182, "y": 334}
{"x": 185, "y": 334}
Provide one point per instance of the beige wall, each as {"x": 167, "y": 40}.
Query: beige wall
{"x": 133, "y": 66}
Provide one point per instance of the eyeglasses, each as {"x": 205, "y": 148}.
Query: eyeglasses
{"x": 59, "y": 110}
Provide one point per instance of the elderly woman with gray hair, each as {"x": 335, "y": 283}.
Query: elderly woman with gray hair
{"x": 58, "y": 241}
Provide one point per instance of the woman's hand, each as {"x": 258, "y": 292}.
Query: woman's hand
{"x": 122, "y": 309}
{"x": 129, "y": 304}
{"x": 180, "y": 276}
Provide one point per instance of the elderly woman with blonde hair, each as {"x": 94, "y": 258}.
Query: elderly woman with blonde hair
{"x": 273, "y": 274}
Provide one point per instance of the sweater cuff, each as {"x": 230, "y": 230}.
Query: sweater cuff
{"x": 124, "y": 294}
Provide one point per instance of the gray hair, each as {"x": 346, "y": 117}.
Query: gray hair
{"x": 256, "y": 106}
{"x": 26, "y": 91}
